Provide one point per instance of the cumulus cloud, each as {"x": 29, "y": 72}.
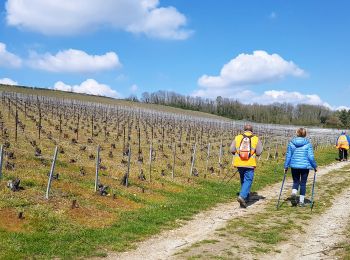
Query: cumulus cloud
{"x": 293, "y": 97}
{"x": 74, "y": 61}
{"x": 66, "y": 17}
{"x": 250, "y": 69}
{"x": 89, "y": 86}
{"x": 342, "y": 108}
{"x": 8, "y": 81}
{"x": 8, "y": 59}
{"x": 267, "y": 97}
{"x": 247, "y": 70}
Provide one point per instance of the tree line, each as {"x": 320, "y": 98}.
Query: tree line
{"x": 277, "y": 113}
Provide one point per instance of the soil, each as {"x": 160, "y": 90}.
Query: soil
{"x": 9, "y": 221}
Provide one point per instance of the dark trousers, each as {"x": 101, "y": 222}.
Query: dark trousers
{"x": 343, "y": 154}
{"x": 300, "y": 179}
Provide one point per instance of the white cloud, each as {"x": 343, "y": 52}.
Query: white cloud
{"x": 89, "y": 86}
{"x": 294, "y": 97}
{"x": 268, "y": 97}
{"x": 8, "y": 59}
{"x": 8, "y": 81}
{"x": 68, "y": 17}
{"x": 74, "y": 61}
{"x": 342, "y": 108}
{"x": 250, "y": 69}
{"x": 134, "y": 88}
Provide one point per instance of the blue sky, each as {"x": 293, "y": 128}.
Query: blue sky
{"x": 255, "y": 51}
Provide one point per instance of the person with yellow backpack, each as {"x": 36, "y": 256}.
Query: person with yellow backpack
{"x": 342, "y": 145}
{"x": 245, "y": 148}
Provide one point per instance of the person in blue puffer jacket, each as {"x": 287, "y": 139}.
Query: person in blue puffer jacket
{"x": 300, "y": 158}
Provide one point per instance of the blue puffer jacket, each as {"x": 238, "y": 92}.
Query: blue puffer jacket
{"x": 300, "y": 154}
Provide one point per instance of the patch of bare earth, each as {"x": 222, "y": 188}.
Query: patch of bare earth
{"x": 202, "y": 227}
{"x": 10, "y": 221}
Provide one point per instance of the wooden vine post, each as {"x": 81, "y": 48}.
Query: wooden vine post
{"x": 97, "y": 167}
{"x": 40, "y": 115}
{"x": 139, "y": 140}
{"x": 207, "y": 162}
{"x": 150, "y": 162}
{"x": 128, "y": 172}
{"x": 220, "y": 157}
{"x": 174, "y": 160}
{"x": 52, "y": 170}
{"x": 1, "y": 159}
{"x": 193, "y": 159}
{"x": 78, "y": 126}
{"x": 92, "y": 126}
{"x": 16, "y": 121}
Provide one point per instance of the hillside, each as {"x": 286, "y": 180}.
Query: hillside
{"x": 113, "y": 172}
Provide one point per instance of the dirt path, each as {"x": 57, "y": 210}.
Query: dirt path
{"x": 322, "y": 236}
{"x": 166, "y": 244}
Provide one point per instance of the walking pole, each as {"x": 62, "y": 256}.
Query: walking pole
{"x": 233, "y": 175}
{"x": 279, "y": 197}
{"x": 51, "y": 173}
{"x": 1, "y": 159}
{"x": 313, "y": 192}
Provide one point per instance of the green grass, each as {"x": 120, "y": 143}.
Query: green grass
{"x": 52, "y": 235}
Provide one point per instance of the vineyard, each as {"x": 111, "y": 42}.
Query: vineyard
{"x": 88, "y": 163}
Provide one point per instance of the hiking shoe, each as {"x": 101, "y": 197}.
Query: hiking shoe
{"x": 293, "y": 200}
{"x": 242, "y": 202}
{"x": 301, "y": 204}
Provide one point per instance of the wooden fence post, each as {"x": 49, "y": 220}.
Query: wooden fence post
{"x": 150, "y": 161}
{"x": 97, "y": 167}
{"x": 193, "y": 158}
{"x": 174, "y": 160}
{"x": 1, "y": 159}
{"x": 220, "y": 157}
{"x": 128, "y": 172}
{"x": 208, "y": 156}
{"x": 51, "y": 173}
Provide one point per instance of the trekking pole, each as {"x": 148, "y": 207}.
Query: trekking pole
{"x": 1, "y": 159}
{"x": 227, "y": 175}
{"x": 223, "y": 179}
{"x": 279, "y": 197}
{"x": 313, "y": 192}
{"x": 233, "y": 175}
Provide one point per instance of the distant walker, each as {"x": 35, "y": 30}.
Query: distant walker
{"x": 342, "y": 145}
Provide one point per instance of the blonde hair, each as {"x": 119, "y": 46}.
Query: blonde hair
{"x": 301, "y": 132}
